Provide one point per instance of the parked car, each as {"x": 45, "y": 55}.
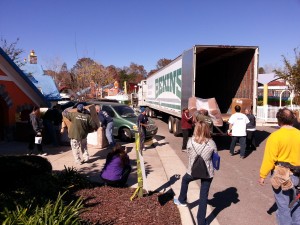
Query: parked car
{"x": 125, "y": 119}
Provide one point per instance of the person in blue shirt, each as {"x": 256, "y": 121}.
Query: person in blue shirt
{"x": 142, "y": 122}
{"x": 108, "y": 123}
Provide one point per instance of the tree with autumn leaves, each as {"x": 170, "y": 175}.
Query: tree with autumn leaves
{"x": 291, "y": 74}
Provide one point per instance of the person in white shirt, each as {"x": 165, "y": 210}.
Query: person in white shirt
{"x": 237, "y": 129}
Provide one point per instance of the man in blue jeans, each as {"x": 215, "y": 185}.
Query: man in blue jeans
{"x": 108, "y": 123}
{"x": 237, "y": 129}
{"x": 282, "y": 157}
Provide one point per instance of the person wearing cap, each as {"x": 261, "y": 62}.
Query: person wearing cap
{"x": 186, "y": 127}
{"x": 107, "y": 122}
{"x": 81, "y": 125}
{"x": 142, "y": 122}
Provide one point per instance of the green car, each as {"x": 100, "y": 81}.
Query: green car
{"x": 125, "y": 120}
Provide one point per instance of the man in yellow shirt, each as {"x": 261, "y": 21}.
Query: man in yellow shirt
{"x": 282, "y": 154}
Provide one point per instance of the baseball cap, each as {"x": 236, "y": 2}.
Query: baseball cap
{"x": 142, "y": 109}
{"x": 80, "y": 107}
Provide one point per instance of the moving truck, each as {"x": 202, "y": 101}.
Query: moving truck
{"x": 204, "y": 71}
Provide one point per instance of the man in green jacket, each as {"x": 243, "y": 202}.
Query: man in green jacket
{"x": 81, "y": 125}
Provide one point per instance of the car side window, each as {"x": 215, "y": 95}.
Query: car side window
{"x": 109, "y": 111}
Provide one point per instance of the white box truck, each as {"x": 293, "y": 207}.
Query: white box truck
{"x": 204, "y": 71}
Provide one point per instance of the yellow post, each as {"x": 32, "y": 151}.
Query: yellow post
{"x": 139, "y": 189}
{"x": 125, "y": 87}
{"x": 265, "y": 96}
{"x": 265, "y": 102}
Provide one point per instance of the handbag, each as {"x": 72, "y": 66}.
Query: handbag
{"x": 216, "y": 159}
{"x": 199, "y": 168}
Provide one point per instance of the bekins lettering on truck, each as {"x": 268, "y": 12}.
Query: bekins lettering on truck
{"x": 167, "y": 83}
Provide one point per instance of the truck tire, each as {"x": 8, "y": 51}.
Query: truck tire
{"x": 125, "y": 134}
{"x": 147, "y": 111}
{"x": 151, "y": 113}
{"x": 176, "y": 127}
{"x": 170, "y": 124}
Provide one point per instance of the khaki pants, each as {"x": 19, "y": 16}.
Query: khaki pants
{"x": 79, "y": 147}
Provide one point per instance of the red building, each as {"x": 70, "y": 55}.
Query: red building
{"x": 17, "y": 97}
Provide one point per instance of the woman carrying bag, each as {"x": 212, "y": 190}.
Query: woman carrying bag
{"x": 201, "y": 144}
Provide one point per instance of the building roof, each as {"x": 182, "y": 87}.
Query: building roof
{"x": 23, "y": 80}
{"x": 43, "y": 82}
{"x": 265, "y": 78}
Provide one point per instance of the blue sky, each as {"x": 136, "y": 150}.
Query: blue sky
{"x": 118, "y": 32}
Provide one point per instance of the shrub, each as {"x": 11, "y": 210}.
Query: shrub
{"x": 51, "y": 213}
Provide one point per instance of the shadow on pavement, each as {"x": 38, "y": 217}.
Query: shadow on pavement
{"x": 260, "y": 136}
{"x": 164, "y": 186}
{"x": 167, "y": 196}
{"x": 159, "y": 137}
{"x": 220, "y": 201}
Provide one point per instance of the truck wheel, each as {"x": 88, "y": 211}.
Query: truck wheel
{"x": 147, "y": 111}
{"x": 176, "y": 127}
{"x": 151, "y": 113}
{"x": 170, "y": 124}
{"x": 125, "y": 135}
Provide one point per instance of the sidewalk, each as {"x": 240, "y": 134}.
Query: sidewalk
{"x": 163, "y": 168}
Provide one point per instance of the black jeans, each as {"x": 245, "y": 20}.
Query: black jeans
{"x": 250, "y": 142}
{"x": 185, "y": 133}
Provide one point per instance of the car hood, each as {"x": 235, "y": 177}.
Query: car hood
{"x": 134, "y": 120}
{"x": 131, "y": 119}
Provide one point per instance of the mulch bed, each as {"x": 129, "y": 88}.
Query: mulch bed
{"x": 107, "y": 205}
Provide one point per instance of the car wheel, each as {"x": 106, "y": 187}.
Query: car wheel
{"x": 125, "y": 135}
{"x": 176, "y": 127}
{"x": 170, "y": 124}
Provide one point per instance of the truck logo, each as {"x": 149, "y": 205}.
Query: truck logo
{"x": 170, "y": 82}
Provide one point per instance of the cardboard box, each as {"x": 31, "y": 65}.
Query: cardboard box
{"x": 210, "y": 105}
{"x": 243, "y": 102}
{"x": 97, "y": 138}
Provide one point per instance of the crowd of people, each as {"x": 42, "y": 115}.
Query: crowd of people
{"x": 281, "y": 156}
{"x": 48, "y": 128}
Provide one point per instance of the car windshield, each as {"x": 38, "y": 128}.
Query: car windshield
{"x": 124, "y": 111}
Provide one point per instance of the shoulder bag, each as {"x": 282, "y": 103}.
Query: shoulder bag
{"x": 199, "y": 168}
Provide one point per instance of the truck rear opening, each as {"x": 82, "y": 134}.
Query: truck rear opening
{"x": 224, "y": 73}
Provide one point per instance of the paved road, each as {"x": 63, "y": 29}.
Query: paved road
{"x": 235, "y": 196}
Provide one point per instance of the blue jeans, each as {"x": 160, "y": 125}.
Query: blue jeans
{"x": 284, "y": 214}
{"x": 109, "y": 133}
{"x": 205, "y": 185}
{"x": 242, "y": 141}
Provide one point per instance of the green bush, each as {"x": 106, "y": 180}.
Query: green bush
{"x": 70, "y": 179}
{"x": 51, "y": 213}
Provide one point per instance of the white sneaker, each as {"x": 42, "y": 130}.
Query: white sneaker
{"x": 86, "y": 160}
{"x": 44, "y": 154}
{"x": 144, "y": 149}
{"x": 177, "y": 202}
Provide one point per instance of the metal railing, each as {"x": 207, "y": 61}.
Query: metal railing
{"x": 268, "y": 113}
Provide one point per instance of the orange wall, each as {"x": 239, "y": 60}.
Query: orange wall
{"x": 18, "y": 98}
